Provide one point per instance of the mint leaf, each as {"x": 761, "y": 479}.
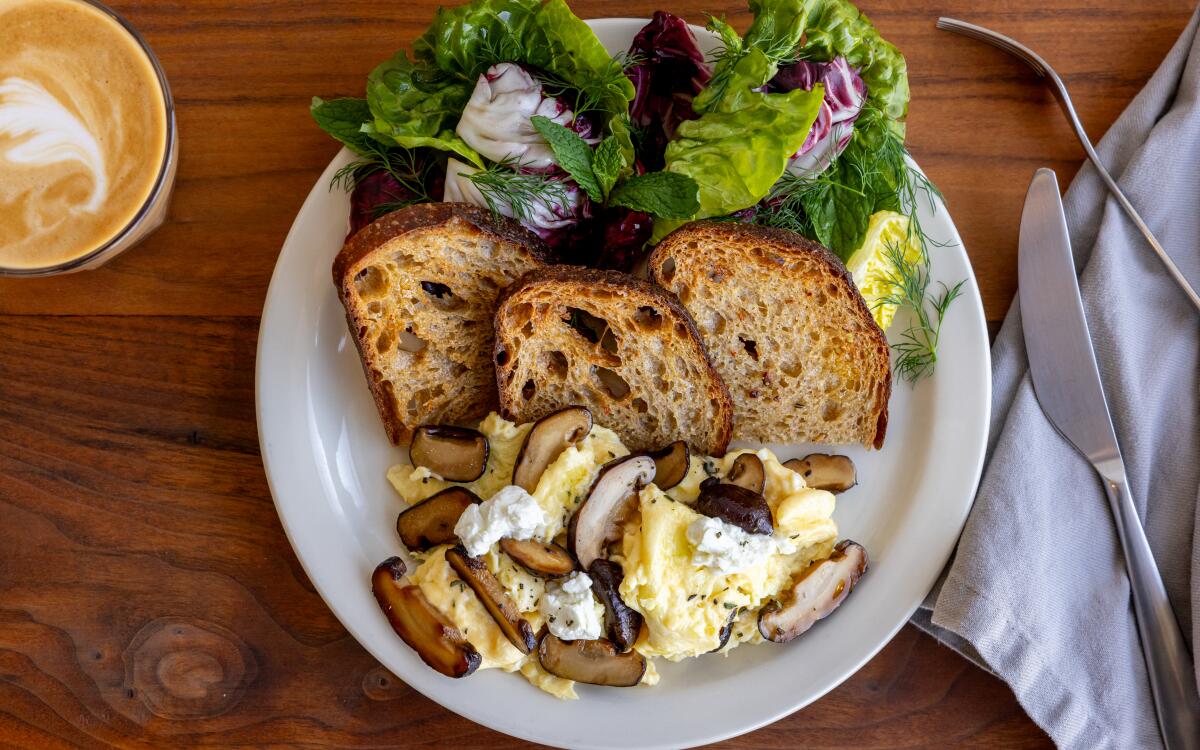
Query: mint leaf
{"x": 607, "y": 163}
{"x": 343, "y": 119}
{"x": 572, "y": 154}
{"x": 669, "y": 195}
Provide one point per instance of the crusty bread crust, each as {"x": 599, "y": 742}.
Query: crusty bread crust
{"x": 706, "y": 253}
{"x": 665, "y": 412}
{"x": 424, "y": 229}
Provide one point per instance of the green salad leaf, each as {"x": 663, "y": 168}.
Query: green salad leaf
{"x": 465, "y": 41}
{"x": 344, "y": 120}
{"x": 836, "y": 28}
{"x": 572, "y": 153}
{"x": 608, "y": 163}
{"x": 414, "y": 106}
{"x": 737, "y": 150}
{"x": 669, "y": 195}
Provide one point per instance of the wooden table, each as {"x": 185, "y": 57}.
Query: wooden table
{"x": 148, "y": 597}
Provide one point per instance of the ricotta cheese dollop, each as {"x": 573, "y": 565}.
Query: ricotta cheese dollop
{"x": 728, "y": 549}
{"x": 512, "y": 512}
{"x": 571, "y": 612}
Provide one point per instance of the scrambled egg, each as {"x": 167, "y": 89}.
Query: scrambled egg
{"x": 685, "y": 605}
{"x": 562, "y": 487}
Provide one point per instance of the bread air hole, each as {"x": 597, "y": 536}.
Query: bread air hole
{"x": 831, "y": 411}
{"x": 529, "y": 389}
{"x": 441, "y": 295}
{"x": 750, "y": 345}
{"x": 410, "y": 342}
{"x": 370, "y": 282}
{"x": 501, "y": 357}
{"x": 610, "y": 382}
{"x": 586, "y": 325}
{"x": 667, "y": 270}
{"x": 648, "y": 318}
{"x": 640, "y": 406}
{"x": 554, "y": 364}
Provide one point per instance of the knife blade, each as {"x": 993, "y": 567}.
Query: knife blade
{"x": 1062, "y": 363}
{"x": 1066, "y": 381}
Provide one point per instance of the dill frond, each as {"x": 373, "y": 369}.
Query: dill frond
{"x": 917, "y": 347}
{"x": 406, "y": 166}
{"x": 503, "y": 186}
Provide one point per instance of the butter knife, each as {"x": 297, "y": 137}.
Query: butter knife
{"x": 1067, "y": 383}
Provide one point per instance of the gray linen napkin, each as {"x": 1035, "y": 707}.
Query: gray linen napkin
{"x": 1037, "y": 591}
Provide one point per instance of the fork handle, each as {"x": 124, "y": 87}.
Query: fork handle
{"x": 1172, "y": 679}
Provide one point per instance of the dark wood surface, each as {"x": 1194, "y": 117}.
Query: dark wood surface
{"x": 148, "y": 597}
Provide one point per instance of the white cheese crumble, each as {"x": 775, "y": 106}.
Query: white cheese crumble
{"x": 728, "y": 549}
{"x": 512, "y": 512}
{"x": 571, "y": 612}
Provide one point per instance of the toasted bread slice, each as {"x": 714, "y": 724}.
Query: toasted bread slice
{"x": 787, "y": 329}
{"x": 618, "y": 345}
{"x": 419, "y": 286}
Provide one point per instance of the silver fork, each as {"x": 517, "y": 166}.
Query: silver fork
{"x": 1059, "y": 89}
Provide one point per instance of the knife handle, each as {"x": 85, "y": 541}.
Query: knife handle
{"x": 1172, "y": 677}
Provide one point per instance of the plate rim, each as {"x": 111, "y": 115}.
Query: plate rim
{"x": 824, "y": 685}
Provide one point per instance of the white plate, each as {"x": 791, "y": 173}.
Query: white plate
{"x": 325, "y": 455}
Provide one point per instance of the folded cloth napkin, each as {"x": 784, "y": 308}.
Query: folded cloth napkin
{"x": 1037, "y": 590}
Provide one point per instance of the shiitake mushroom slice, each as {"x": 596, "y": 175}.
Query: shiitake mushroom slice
{"x": 453, "y": 453}
{"x": 431, "y": 521}
{"x": 739, "y": 506}
{"x": 545, "y": 559}
{"x": 823, "y": 471}
{"x": 671, "y": 464}
{"x": 613, "y": 496}
{"x": 549, "y": 437}
{"x": 622, "y": 623}
{"x": 493, "y": 597}
{"x": 593, "y": 662}
{"x": 726, "y": 631}
{"x": 419, "y": 624}
{"x": 748, "y": 473}
{"x": 815, "y": 594}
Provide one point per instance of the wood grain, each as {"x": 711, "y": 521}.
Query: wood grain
{"x": 148, "y": 596}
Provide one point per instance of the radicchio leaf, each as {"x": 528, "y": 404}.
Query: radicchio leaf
{"x": 668, "y": 73}
{"x": 845, "y": 94}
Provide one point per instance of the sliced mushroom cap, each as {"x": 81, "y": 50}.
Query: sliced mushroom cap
{"x": 726, "y": 631}
{"x": 613, "y": 497}
{"x": 453, "y": 453}
{"x": 549, "y": 437}
{"x": 739, "y": 506}
{"x": 545, "y": 559}
{"x": 493, "y": 597}
{"x": 593, "y": 662}
{"x": 815, "y": 594}
{"x": 748, "y": 473}
{"x": 431, "y": 521}
{"x": 822, "y": 471}
{"x": 671, "y": 464}
{"x": 623, "y": 623}
{"x": 419, "y": 624}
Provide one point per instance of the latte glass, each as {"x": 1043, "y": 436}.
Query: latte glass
{"x": 153, "y": 210}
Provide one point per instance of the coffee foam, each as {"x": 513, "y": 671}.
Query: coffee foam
{"x": 82, "y": 131}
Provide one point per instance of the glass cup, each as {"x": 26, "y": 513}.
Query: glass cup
{"x": 153, "y": 211}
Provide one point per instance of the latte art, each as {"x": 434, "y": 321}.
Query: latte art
{"x": 83, "y": 131}
{"x": 55, "y": 135}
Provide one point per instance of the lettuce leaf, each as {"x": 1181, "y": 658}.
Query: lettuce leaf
{"x": 738, "y": 149}
{"x": 837, "y": 28}
{"x": 413, "y": 107}
{"x": 344, "y": 120}
{"x": 465, "y": 41}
